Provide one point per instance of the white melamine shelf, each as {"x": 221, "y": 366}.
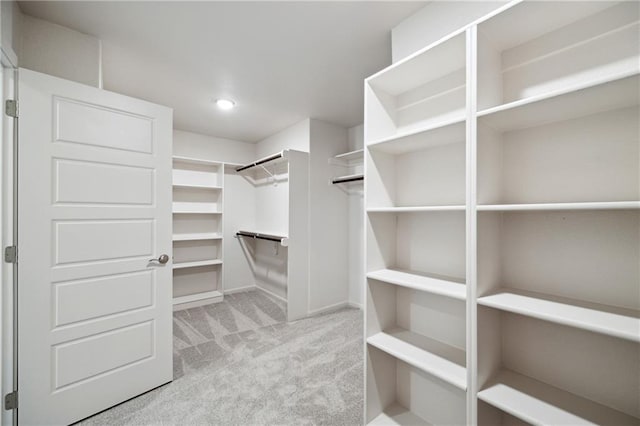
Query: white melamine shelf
{"x": 433, "y": 134}
{"x": 613, "y": 321}
{"x": 442, "y": 287}
{"x": 194, "y": 208}
{"x": 541, "y": 404}
{"x": 606, "y": 94}
{"x": 197, "y": 263}
{"x": 397, "y": 415}
{"x": 415, "y": 209}
{"x": 197, "y": 236}
{"x": 197, "y": 186}
{"x": 358, "y": 154}
{"x": 606, "y": 205}
{"x": 196, "y": 161}
{"x": 197, "y": 297}
{"x": 435, "y": 358}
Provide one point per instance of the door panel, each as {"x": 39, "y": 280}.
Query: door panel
{"x": 94, "y": 207}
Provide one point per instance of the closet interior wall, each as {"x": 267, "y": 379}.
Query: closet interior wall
{"x": 502, "y": 222}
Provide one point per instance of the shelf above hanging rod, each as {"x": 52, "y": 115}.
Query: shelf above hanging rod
{"x": 284, "y": 241}
{"x": 346, "y": 179}
{"x": 280, "y": 155}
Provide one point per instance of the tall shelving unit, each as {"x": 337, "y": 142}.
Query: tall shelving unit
{"x": 502, "y": 189}
{"x": 198, "y": 232}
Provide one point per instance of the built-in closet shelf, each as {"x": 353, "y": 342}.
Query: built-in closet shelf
{"x": 434, "y": 134}
{"x": 197, "y": 236}
{"x": 397, "y": 415}
{"x": 203, "y": 208}
{"x": 541, "y": 404}
{"x": 348, "y": 179}
{"x": 415, "y": 209}
{"x": 196, "y": 161}
{"x": 197, "y": 263}
{"x": 280, "y": 157}
{"x": 198, "y": 297}
{"x": 197, "y": 186}
{"x": 412, "y": 280}
{"x": 606, "y": 205}
{"x": 613, "y": 321}
{"x": 610, "y": 93}
{"x": 436, "y": 358}
{"x": 348, "y": 158}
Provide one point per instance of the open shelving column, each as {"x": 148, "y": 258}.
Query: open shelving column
{"x": 197, "y": 232}
{"x": 550, "y": 131}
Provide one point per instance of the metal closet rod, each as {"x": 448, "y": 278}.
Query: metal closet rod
{"x": 261, "y": 161}
{"x": 268, "y": 237}
{"x": 347, "y": 179}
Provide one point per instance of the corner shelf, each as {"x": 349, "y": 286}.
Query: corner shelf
{"x": 414, "y": 281}
{"x": 612, "y": 321}
{"x": 435, "y": 358}
{"x": 197, "y": 263}
{"x": 538, "y": 403}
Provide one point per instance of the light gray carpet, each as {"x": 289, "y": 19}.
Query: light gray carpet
{"x": 240, "y": 363}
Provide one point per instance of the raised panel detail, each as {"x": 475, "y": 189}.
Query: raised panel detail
{"x": 88, "y": 357}
{"x": 97, "y": 297}
{"x": 101, "y": 240}
{"x": 87, "y": 182}
{"x": 88, "y": 124}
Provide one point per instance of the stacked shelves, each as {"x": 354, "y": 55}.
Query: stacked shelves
{"x": 351, "y": 163}
{"x": 416, "y": 276}
{"x": 197, "y": 239}
{"x": 553, "y": 213}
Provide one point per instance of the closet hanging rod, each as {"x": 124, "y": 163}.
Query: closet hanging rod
{"x": 269, "y": 237}
{"x": 281, "y": 154}
{"x": 345, "y": 179}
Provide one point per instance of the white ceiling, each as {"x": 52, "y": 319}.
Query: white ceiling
{"x": 280, "y": 61}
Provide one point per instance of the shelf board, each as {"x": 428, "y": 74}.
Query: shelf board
{"x": 433, "y": 134}
{"x": 344, "y": 159}
{"x": 605, "y": 94}
{"x": 195, "y": 160}
{"x": 197, "y": 263}
{"x": 197, "y": 236}
{"x": 606, "y": 205}
{"x": 443, "y": 287}
{"x": 397, "y": 415}
{"x": 612, "y": 321}
{"x": 538, "y": 403}
{"x": 198, "y": 186}
{"x": 413, "y": 209}
{"x": 431, "y": 356}
{"x": 190, "y": 298}
{"x": 203, "y": 208}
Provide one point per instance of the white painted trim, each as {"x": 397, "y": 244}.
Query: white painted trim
{"x": 240, "y": 289}
{"x": 271, "y": 294}
{"x": 330, "y": 308}
{"x": 356, "y": 305}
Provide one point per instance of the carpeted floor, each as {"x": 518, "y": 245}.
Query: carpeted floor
{"x": 240, "y": 363}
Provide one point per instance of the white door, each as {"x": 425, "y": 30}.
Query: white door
{"x": 94, "y": 206}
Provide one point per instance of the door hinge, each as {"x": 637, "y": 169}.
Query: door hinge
{"x": 11, "y": 401}
{"x": 11, "y": 254}
{"x": 11, "y": 108}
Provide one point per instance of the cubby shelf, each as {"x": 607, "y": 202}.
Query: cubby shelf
{"x": 605, "y": 205}
{"x": 397, "y": 415}
{"x": 617, "y": 322}
{"x": 197, "y": 263}
{"x": 196, "y": 208}
{"x": 415, "y": 209}
{"x": 541, "y": 404}
{"x": 606, "y": 94}
{"x": 198, "y": 186}
{"x": 197, "y": 236}
{"x": 424, "y": 283}
{"x": 436, "y": 358}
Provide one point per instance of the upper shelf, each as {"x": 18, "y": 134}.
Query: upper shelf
{"x": 195, "y": 161}
{"x": 271, "y": 159}
{"x": 433, "y": 134}
{"x": 348, "y": 158}
{"x": 600, "y": 205}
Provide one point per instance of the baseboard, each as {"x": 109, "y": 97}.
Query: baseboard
{"x": 272, "y": 294}
{"x": 240, "y": 289}
{"x": 329, "y": 308}
{"x": 355, "y": 305}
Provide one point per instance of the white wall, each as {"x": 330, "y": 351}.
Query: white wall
{"x": 191, "y": 144}
{"x": 434, "y": 21}
{"x": 294, "y": 137}
{"x": 59, "y": 51}
{"x": 328, "y": 220}
{"x": 356, "y": 229}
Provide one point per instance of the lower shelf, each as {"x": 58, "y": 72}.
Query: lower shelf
{"x": 538, "y": 403}
{"x": 198, "y": 299}
{"x": 397, "y": 415}
{"x": 436, "y": 358}
{"x": 197, "y": 263}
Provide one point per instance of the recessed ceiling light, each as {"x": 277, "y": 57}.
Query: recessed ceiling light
{"x": 225, "y": 103}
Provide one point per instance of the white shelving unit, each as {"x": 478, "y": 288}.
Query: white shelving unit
{"x": 197, "y": 239}
{"x": 502, "y": 199}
